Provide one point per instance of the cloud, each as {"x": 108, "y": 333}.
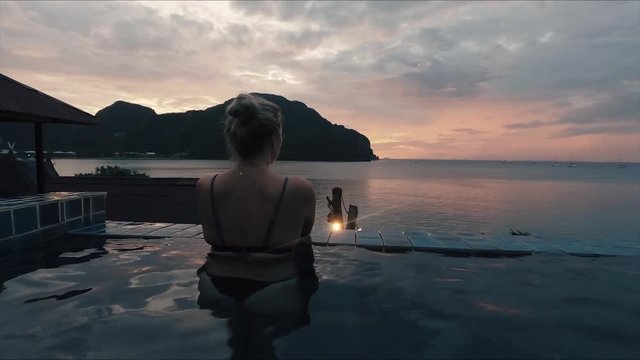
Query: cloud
{"x": 469, "y": 131}
{"x": 617, "y": 129}
{"x": 386, "y": 15}
{"x": 527, "y": 125}
{"x": 615, "y": 108}
{"x": 113, "y": 41}
{"x": 417, "y": 146}
{"x": 443, "y": 78}
{"x": 617, "y": 113}
{"x": 367, "y": 64}
{"x": 304, "y": 39}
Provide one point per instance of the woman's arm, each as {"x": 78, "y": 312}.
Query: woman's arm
{"x": 309, "y": 196}
{"x": 203, "y": 200}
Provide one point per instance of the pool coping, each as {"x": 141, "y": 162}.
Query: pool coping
{"x": 452, "y": 244}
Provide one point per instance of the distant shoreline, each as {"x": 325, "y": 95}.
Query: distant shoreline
{"x": 192, "y": 159}
{"x": 507, "y": 162}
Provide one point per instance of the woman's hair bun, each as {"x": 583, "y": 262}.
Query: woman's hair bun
{"x": 244, "y": 108}
{"x": 252, "y": 124}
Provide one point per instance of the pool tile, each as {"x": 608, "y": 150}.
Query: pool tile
{"x": 119, "y": 227}
{"x": 189, "y": 232}
{"x": 97, "y": 203}
{"x": 477, "y": 243}
{"x": 115, "y": 222}
{"x": 51, "y": 232}
{"x": 574, "y": 247}
{"x": 132, "y": 229}
{"x": 73, "y": 208}
{"x": 369, "y": 240}
{"x": 112, "y": 227}
{"x": 183, "y": 226}
{"x": 99, "y": 217}
{"x": 615, "y": 251}
{"x": 450, "y": 241}
{"x": 167, "y": 230}
{"x": 422, "y": 241}
{"x": 90, "y": 230}
{"x": 342, "y": 237}
{"x": 143, "y": 229}
{"x": 74, "y": 224}
{"x": 469, "y": 236}
{"x": 86, "y": 206}
{"x": 49, "y": 214}
{"x": 25, "y": 219}
{"x": 61, "y": 209}
{"x": 538, "y": 244}
{"x": 509, "y": 243}
{"x": 395, "y": 241}
{"x": 320, "y": 239}
{"x": 6, "y": 224}
{"x": 194, "y": 229}
{"x": 440, "y": 242}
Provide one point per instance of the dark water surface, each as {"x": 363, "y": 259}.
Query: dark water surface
{"x": 133, "y": 298}
{"x": 88, "y": 298}
{"x": 591, "y": 202}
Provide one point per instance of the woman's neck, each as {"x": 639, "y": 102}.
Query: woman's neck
{"x": 254, "y": 166}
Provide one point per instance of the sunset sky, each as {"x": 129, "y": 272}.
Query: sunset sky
{"x": 440, "y": 80}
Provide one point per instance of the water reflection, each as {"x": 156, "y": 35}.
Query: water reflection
{"x": 23, "y": 256}
{"x": 572, "y": 210}
{"x": 260, "y": 307}
{"x": 66, "y": 295}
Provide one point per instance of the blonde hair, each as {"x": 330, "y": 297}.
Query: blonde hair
{"x": 252, "y": 124}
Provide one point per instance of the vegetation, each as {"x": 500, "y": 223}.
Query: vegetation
{"x": 114, "y": 171}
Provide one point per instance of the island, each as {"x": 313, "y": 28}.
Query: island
{"x": 130, "y": 130}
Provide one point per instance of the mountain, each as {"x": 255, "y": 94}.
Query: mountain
{"x": 198, "y": 134}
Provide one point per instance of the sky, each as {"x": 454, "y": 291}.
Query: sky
{"x": 504, "y": 80}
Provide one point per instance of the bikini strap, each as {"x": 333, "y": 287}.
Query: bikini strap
{"x": 275, "y": 214}
{"x": 216, "y": 219}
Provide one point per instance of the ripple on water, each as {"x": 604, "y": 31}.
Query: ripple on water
{"x": 368, "y": 304}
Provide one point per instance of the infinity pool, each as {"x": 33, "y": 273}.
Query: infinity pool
{"x": 91, "y": 298}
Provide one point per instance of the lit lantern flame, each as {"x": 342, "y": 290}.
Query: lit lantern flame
{"x": 336, "y": 226}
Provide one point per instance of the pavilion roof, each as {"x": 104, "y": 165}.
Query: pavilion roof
{"x": 21, "y": 103}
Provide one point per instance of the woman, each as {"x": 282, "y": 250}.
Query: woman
{"x": 254, "y": 219}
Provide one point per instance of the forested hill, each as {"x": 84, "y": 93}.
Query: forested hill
{"x": 197, "y": 134}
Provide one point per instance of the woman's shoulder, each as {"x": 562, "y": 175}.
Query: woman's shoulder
{"x": 204, "y": 183}
{"x": 301, "y": 186}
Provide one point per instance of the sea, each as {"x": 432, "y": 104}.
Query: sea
{"x": 594, "y": 203}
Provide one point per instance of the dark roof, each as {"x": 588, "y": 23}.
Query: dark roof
{"x": 21, "y": 103}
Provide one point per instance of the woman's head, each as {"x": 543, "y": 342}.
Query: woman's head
{"x": 253, "y": 128}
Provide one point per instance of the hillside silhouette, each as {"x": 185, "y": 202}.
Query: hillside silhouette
{"x": 196, "y": 134}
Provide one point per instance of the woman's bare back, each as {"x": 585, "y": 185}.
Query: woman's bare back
{"x": 245, "y": 205}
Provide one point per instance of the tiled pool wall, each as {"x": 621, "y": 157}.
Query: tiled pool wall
{"x": 49, "y": 215}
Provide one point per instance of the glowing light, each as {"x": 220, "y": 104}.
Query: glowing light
{"x": 336, "y": 226}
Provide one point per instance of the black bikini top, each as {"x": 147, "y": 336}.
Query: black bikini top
{"x": 265, "y": 248}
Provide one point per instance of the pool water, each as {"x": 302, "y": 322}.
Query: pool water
{"x": 133, "y": 298}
